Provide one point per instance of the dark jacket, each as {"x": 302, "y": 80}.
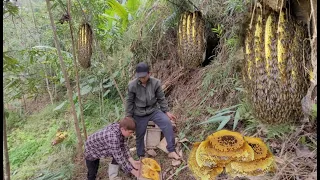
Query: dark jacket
{"x": 142, "y": 101}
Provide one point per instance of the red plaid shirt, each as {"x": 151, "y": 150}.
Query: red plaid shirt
{"x": 109, "y": 142}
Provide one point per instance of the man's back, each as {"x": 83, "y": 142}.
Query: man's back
{"x": 98, "y": 144}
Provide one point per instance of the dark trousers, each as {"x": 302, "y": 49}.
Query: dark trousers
{"x": 160, "y": 119}
{"x": 93, "y": 167}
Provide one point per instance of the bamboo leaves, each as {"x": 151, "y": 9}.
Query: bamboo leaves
{"x": 224, "y": 116}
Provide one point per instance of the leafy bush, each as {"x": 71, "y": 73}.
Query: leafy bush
{"x": 14, "y": 120}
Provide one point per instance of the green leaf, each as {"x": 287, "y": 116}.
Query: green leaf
{"x": 11, "y": 64}
{"x": 117, "y": 112}
{"x": 314, "y": 111}
{"x": 54, "y": 5}
{"x": 115, "y": 74}
{"x": 9, "y": 7}
{"x": 303, "y": 140}
{"x": 77, "y": 110}
{"x": 121, "y": 12}
{"x": 108, "y": 16}
{"x": 6, "y": 114}
{"x": 215, "y": 119}
{"x": 240, "y": 89}
{"x": 109, "y": 84}
{"x": 124, "y": 24}
{"x": 224, "y": 122}
{"x": 60, "y": 106}
{"x": 118, "y": 9}
{"x": 85, "y": 90}
{"x": 236, "y": 118}
{"x": 223, "y": 113}
{"x": 133, "y": 6}
{"x": 92, "y": 80}
{"x": 96, "y": 89}
{"x": 62, "y": 80}
{"x": 10, "y": 60}
{"x": 75, "y": 98}
{"x": 106, "y": 93}
{"x": 225, "y": 109}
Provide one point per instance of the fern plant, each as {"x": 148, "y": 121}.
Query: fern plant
{"x": 218, "y": 30}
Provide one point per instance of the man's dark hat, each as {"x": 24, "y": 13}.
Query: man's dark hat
{"x": 142, "y": 69}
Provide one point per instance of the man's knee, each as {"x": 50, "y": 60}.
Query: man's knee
{"x": 163, "y": 121}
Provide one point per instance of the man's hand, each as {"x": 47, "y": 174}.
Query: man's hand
{"x": 135, "y": 164}
{"x": 171, "y": 116}
{"x": 135, "y": 173}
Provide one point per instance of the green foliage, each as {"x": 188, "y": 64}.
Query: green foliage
{"x": 309, "y": 141}
{"x": 224, "y": 116}
{"x": 314, "y": 111}
{"x": 14, "y": 120}
{"x": 119, "y": 10}
{"x": 133, "y": 6}
{"x": 20, "y": 153}
{"x": 114, "y": 21}
{"x": 60, "y": 106}
{"x": 57, "y": 175}
{"x": 30, "y": 151}
{"x": 194, "y": 134}
{"x": 233, "y": 43}
{"x": 218, "y": 30}
{"x": 278, "y": 131}
{"x": 113, "y": 111}
{"x": 234, "y": 6}
{"x": 11, "y": 64}
{"x": 10, "y": 8}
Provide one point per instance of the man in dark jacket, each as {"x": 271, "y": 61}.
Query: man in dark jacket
{"x": 110, "y": 142}
{"x": 146, "y": 102}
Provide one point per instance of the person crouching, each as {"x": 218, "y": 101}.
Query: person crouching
{"x": 111, "y": 142}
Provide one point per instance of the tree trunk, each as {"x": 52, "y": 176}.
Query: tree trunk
{"x": 102, "y": 102}
{"x": 5, "y": 149}
{"x": 24, "y": 104}
{"x": 55, "y": 91}
{"x": 47, "y": 83}
{"x": 67, "y": 81}
{"x": 21, "y": 108}
{"x": 77, "y": 75}
{"x": 100, "y": 98}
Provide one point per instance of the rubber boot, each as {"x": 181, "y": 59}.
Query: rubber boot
{"x": 113, "y": 172}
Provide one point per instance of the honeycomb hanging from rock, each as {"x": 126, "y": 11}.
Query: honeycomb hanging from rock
{"x": 84, "y": 45}
{"x": 276, "y": 54}
{"x": 191, "y": 39}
